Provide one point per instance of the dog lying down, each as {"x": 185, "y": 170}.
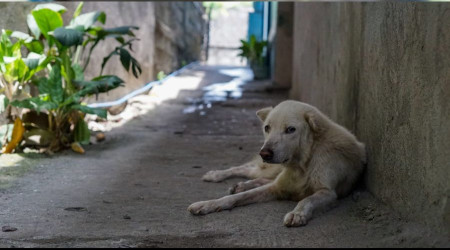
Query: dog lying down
{"x": 306, "y": 157}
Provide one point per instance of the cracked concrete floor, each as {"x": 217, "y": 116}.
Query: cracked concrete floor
{"x": 133, "y": 189}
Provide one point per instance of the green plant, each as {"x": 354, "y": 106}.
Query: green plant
{"x": 59, "y": 50}
{"x": 15, "y": 70}
{"x": 253, "y": 50}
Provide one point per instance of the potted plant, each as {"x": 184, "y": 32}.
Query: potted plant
{"x": 253, "y": 51}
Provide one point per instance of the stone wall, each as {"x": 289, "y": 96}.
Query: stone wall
{"x": 382, "y": 70}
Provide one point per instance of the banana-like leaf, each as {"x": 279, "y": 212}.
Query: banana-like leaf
{"x": 35, "y": 46}
{"x": 99, "y": 84}
{"x": 32, "y": 60}
{"x": 47, "y": 20}
{"x": 78, "y": 10}
{"x": 32, "y": 25}
{"x": 87, "y": 110}
{"x": 68, "y": 37}
{"x": 52, "y": 86}
{"x": 81, "y": 132}
{"x": 16, "y": 70}
{"x": 88, "y": 19}
{"x": 52, "y": 6}
{"x": 35, "y": 103}
{"x": 22, "y": 36}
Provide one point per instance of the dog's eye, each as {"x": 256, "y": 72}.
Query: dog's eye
{"x": 290, "y": 130}
{"x": 267, "y": 128}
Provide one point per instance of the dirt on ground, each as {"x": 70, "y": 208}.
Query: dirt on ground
{"x": 133, "y": 189}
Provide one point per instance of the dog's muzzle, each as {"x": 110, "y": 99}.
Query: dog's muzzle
{"x": 266, "y": 155}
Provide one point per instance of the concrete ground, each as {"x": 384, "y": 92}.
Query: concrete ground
{"x": 133, "y": 189}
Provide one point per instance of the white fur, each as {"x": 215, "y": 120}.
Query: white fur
{"x": 314, "y": 165}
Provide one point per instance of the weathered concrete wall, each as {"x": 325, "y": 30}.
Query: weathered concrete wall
{"x": 139, "y": 14}
{"x": 383, "y": 71}
{"x": 180, "y": 27}
{"x": 282, "y": 66}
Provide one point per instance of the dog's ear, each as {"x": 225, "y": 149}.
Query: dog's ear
{"x": 262, "y": 113}
{"x": 313, "y": 122}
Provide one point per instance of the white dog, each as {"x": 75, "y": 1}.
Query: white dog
{"x": 306, "y": 157}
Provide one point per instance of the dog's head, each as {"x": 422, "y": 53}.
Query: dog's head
{"x": 289, "y": 131}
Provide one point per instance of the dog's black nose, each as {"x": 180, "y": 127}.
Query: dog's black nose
{"x": 266, "y": 154}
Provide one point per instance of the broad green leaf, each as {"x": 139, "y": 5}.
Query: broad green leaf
{"x": 79, "y": 73}
{"x": 88, "y": 19}
{"x": 78, "y": 10}
{"x": 35, "y": 103}
{"x": 125, "y": 58}
{"x": 35, "y": 46}
{"x": 99, "y": 84}
{"x": 32, "y": 60}
{"x": 47, "y": 20}
{"x": 32, "y": 25}
{"x": 22, "y": 36}
{"x": 87, "y": 110}
{"x": 52, "y": 86}
{"x": 16, "y": 70}
{"x": 136, "y": 67}
{"x": 52, "y": 6}
{"x": 123, "y": 30}
{"x": 81, "y": 132}
{"x": 68, "y": 37}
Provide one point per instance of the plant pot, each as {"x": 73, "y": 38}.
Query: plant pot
{"x": 260, "y": 71}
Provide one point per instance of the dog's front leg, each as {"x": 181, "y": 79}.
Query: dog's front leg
{"x": 260, "y": 194}
{"x": 247, "y": 185}
{"x": 304, "y": 209}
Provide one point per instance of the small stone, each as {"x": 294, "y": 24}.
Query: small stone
{"x": 100, "y": 137}
{"x": 240, "y": 148}
{"x": 75, "y": 209}
{"x": 196, "y": 166}
{"x": 127, "y": 217}
{"x": 8, "y": 229}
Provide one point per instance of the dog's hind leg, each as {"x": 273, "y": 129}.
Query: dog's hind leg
{"x": 250, "y": 170}
{"x": 247, "y": 185}
{"x": 259, "y": 194}
{"x": 304, "y": 209}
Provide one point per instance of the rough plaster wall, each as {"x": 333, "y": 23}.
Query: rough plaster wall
{"x": 382, "y": 70}
{"x": 180, "y": 27}
{"x": 283, "y": 45}
{"x": 404, "y": 112}
{"x": 139, "y": 14}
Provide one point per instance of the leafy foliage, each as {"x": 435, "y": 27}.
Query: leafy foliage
{"x": 57, "y": 50}
{"x": 253, "y": 50}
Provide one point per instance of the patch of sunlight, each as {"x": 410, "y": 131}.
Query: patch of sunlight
{"x": 228, "y": 90}
{"x": 222, "y": 91}
{"x": 172, "y": 87}
{"x": 142, "y": 104}
{"x": 13, "y": 166}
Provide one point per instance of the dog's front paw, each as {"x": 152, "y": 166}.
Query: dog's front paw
{"x": 214, "y": 176}
{"x": 295, "y": 219}
{"x": 203, "y": 207}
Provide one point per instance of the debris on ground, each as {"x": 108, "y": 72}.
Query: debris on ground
{"x": 8, "y": 229}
